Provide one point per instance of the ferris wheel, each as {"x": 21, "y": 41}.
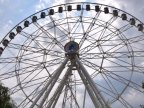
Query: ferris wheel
{"x": 75, "y": 55}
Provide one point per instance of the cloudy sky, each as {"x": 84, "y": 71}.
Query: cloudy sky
{"x": 14, "y": 11}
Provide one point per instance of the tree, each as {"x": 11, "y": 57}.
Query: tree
{"x": 5, "y": 101}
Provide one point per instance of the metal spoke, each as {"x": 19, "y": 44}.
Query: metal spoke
{"x": 89, "y": 29}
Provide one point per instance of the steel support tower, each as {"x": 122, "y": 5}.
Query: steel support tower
{"x": 72, "y": 55}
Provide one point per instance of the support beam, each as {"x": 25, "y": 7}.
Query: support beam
{"x": 57, "y": 73}
{"x": 57, "y": 93}
{"x": 73, "y": 96}
{"x": 89, "y": 90}
{"x": 65, "y": 96}
{"x": 51, "y": 85}
{"x": 92, "y": 84}
{"x": 84, "y": 98}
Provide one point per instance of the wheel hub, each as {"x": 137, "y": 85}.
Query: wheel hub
{"x": 72, "y": 49}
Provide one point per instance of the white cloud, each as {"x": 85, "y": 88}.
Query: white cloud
{"x": 40, "y": 6}
{"x": 6, "y": 28}
{"x": 134, "y": 98}
{"x": 3, "y": 1}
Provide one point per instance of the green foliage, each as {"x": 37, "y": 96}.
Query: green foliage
{"x": 5, "y": 97}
